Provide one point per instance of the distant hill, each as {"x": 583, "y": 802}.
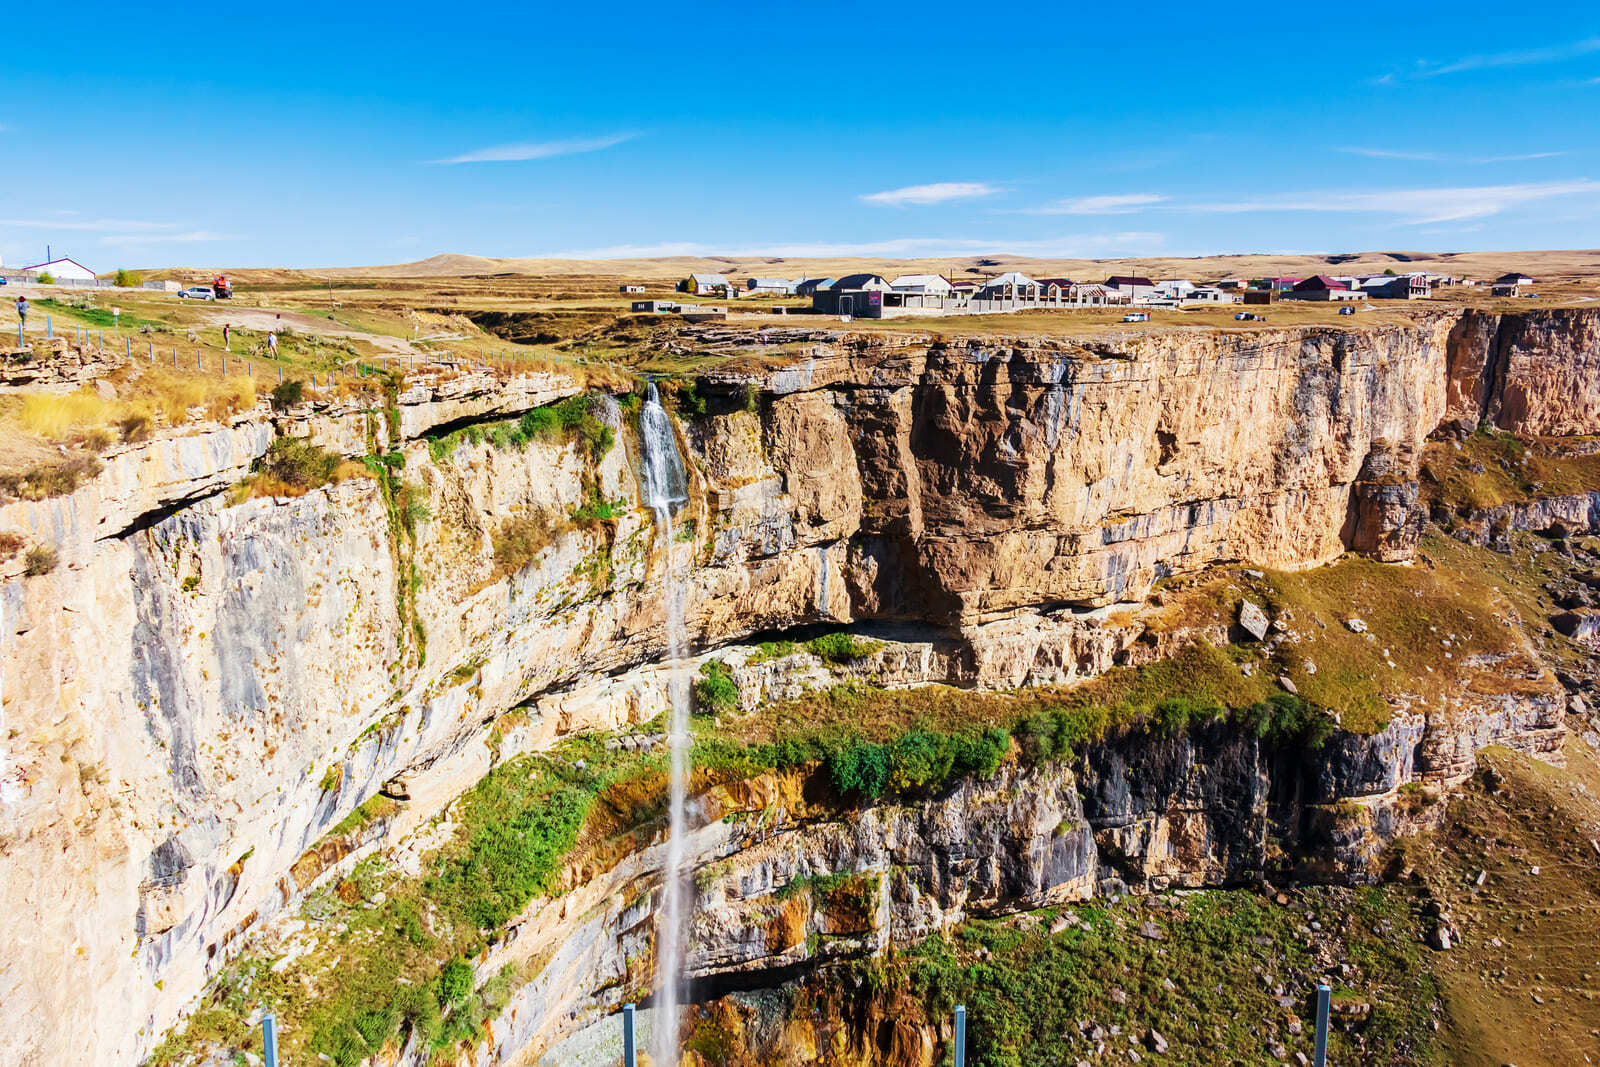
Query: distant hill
{"x": 1574, "y": 263}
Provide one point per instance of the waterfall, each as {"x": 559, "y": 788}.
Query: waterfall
{"x": 665, "y": 483}
{"x": 661, "y": 472}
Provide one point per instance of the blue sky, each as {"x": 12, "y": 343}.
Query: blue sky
{"x": 351, "y": 133}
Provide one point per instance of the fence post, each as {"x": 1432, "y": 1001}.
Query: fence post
{"x": 129, "y": 345}
{"x": 199, "y": 363}
{"x": 1320, "y": 1055}
{"x": 152, "y": 345}
{"x": 49, "y": 330}
{"x": 174, "y": 357}
{"x": 630, "y": 1045}
{"x": 961, "y": 1035}
{"x": 269, "y": 1039}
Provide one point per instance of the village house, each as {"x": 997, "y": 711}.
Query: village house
{"x": 1397, "y": 287}
{"x": 858, "y": 295}
{"x": 1514, "y": 278}
{"x": 809, "y": 286}
{"x": 1208, "y": 294}
{"x": 770, "y": 286}
{"x": 922, "y": 291}
{"x": 1012, "y": 285}
{"x": 630, "y": 289}
{"x": 1093, "y": 294}
{"x": 62, "y": 270}
{"x": 654, "y": 307}
{"x": 1132, "y": 286}
{"x": 1322, "y": 287}
{"x": 705, "y": 285}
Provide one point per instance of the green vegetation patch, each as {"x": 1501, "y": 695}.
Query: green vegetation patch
{"x": 842, "y": 647}
{"x": 569, "y": 419}
{"x": 715, "y": 691}
{"x": 1491, "y": 467}
{"x": 1204, "y": 970}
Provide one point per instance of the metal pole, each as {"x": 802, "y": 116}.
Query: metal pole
{"x": 269, "y": 1039}
{"x": 630, "y": 1047}
{"x": 961, "y": 1035}
{"x": 1320, "y": 1056}
{"x": 49, "y": 330}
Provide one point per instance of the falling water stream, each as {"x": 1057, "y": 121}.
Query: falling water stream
{"x": 665, "y": 485}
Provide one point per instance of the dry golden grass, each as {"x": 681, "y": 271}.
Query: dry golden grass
{"x": 86, "y": 417}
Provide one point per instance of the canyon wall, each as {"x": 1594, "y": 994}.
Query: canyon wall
{"x": 201, "y": 689}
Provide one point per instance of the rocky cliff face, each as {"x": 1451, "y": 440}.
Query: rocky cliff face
{"x": 1531, "y": 373}
{"x": 202, "y": 689}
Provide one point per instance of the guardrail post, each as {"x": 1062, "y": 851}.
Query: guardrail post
{"x": 269, "y": 1039}
{"x": 630, "y": 1044}
{"x": 129, "y": 346}
{"x": 961, "y": 1035}
{"x": 49, "y": 330}
{"x": 1320, "y": 1054}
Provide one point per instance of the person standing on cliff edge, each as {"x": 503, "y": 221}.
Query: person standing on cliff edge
{"x": 227, "y": 332}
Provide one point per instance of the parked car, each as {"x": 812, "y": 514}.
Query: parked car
{"x": 1136, "y": 316}
{"x": 1347, "y": 311}
{"x": 1250, "y": 316}
{"x": 197, "y": 292}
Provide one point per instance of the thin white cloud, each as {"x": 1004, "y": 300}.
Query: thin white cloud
{"x": 143, "y": 240}
{"x": 1413, "y": 206}
{"x": 1064, "y": 247}
{"x": 936, "y": 193}
{"x": 1491, "y": 61}
{"x": 1439, "y": 157}
{"x": 1109, "y": 204}
{"x": 126, "y": 225}
{"x": 1526, "y": 57}
{"x": 517, "y": 153}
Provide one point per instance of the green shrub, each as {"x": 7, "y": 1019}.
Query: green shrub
{"x": 46, "y": 278}
{"x": 841, "y": 647}
{"x": 41, "y": 559}
{"x": 595, "y": 509}
{"x": 715, "y": 691}
{"x": 129, "y": 279}
{"x": 455, "y": 982}
{"x": 1285, "y": 719}
{"x": 299, "y": 464}
{"x": 286, "y": 395}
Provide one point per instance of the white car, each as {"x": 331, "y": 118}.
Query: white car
{"x": 197, "y": 292}
{"x": 1136, "y": 316}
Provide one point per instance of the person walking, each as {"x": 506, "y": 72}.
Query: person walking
{"x": 272, "y": 343}
{"x": 227, "y": 332}
{"x": 22, "y": 310}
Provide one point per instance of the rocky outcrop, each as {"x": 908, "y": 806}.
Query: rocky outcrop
{"x": 782, "y": 883}
{"x": 1567, "y": 515}
{"x": 201, "y": 689}
{"x": 1531, "y": 373}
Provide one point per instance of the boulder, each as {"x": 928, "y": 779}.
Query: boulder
{"x": 1252, "y": 619}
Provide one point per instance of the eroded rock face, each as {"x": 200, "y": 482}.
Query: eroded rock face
{"x": 782, "y": 882}
{"x": 1531, "y": 373}
{"x": 201, "y": 690}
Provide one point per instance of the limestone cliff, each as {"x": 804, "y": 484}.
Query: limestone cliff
{"x": 202, "y": 689}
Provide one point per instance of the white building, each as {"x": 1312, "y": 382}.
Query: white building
{"x": 770, "y": 286}
{"x": 1208, "y": 294}
{"x": 922, "y": 284}
{"x": 63, "y": 269}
